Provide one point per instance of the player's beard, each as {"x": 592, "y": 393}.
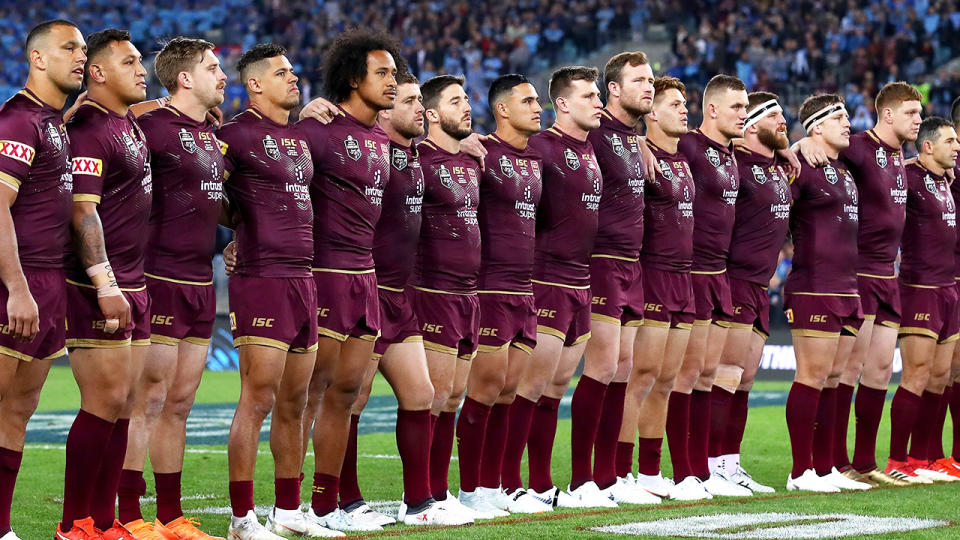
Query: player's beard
{"x": 773, "y": 139}
{"x": 409, "y": 130}
{"x": 636, "y": 109}
{"x": 453, "y": 129}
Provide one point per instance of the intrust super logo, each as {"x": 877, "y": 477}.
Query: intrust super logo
{"x": 87, "y": 166}
{"x": 18, "y": 151}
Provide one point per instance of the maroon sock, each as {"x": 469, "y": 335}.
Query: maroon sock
{"x": 9, "y": 467}
{"x": 699, "y": 441}
{"x": 168, "y": 496}
{"x": 413, "y": 443}
{"x": 349, "y": 484}
{"x": 903, "y": 416}
{"x": 494, "y": 444}
{"x": 868, "y": 410}
{"x": 241, "y": 497}
{"x": 624, "y": 459}
{"x": 586, "y": 409}
{"x": 441, "y": 448}
{"x": 89, "y": 436}
{"x": 737, "y": 423}
{"x": 842, "y": 422}
{"x": 518, "y": 433}
{"x": 287, "y": 493}
{"x": 955, "y": 420}
{"x": 823, "y": 431}
{"x": 605, "y": 447}
{"x": 923, "y": 427}
{"x": 678, "y": 434}
{"x": 648, "y": 456}
{"x": 801, "y": 418}
{"x": 325, "y": 490}
{"x": 132, "y": 487}
{"x": 104, "y": 500}
{"x": 935, "y": 450}
{"x": 470, "y": 427}
{"x": 720, "y": 402}
{"x": 543, "y": 431}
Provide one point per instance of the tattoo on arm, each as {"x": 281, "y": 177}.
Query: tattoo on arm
{"x": 88, "y": 236}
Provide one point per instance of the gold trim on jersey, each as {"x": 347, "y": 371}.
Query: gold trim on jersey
{"x": 915, "y": 331}
{"x": 86, "y": 197}
{"x": 31, "y": 98}
{"x": 803, "y": 332}
{"x": 263, "y": 341}
{"x": 916, "y": 286}
{"x": 339, "y": 271}
{"x": 438, "y": 291}
{"x": 565, "y": 286}
{"x": 253, "y": 112}
{"x": 581, "y": 339}
{"x": 523, "y": 347}
{"x": 490, "y": 349}
{"x": 429, "y": 143}
{"x": 180, "y": 281}
{"x": 391, "y": 289}
{"x": 599, "y": 317}
{"x": 513, "y": 293}
{"x": 542, "y": 329}
{"x": 326, "y": 332}
{"x": 171, "y": 109}
{"x": 875, "y": 276}
{"x": 842, "y": 295}
{"x": 226, "y": 175}
{"x": 11, "y": 181}
{"x": 95, "y": 105}
{"x": 436, "y": 347}
{"x": 87, "y": 286}
{"x": 708, "y": 272}
{"x": 615, "y": 257}
{"x": 81, "y": 343}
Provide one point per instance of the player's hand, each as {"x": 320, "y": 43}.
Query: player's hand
{"x": 116, "y": 311}
{"x": 792, "y": 162}
{"x": 215, "y": 117}
{"x": 319, "y": 109}
{"x": 813, "y": 154}
{"x": 68, "y": 114}
{"x": 230, "y": 257}
{"x": 472, "y": 147}
{"x": 951, "y": 175}
{"x": 23, "y": 315}
{"x": 650, "y": 163}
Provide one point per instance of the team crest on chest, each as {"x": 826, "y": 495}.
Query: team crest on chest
{"x": 506, "y": 166}
{"x": 931, "y": 186}
{"x": 399, "y": 159}
{"x": 352, "y": 147}
{"x": 713, "y": 156}
{"x": 573, "y": 161}
{"x": 271, "y": 148}
{"x": 758, "y": 174}
{"x": 128, "y": 142}
{"x": 666, "y": 170}
{"x": 472, "y": 175}
{"x": 881, "y": 158}
{"x": 187, "y": 142}
{"x": 831, "y": 174}
{"x": 445, "y": 179}
{"x": 616, "y": 143}
{"x": 54, "y": 135}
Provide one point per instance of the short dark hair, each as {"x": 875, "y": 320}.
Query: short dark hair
{"x": 405, "y": 77}
{"x": 895, "y": 93}
{"x": 722, "y": 83}
{"x": 930, "y": 130}
{"x": 815, "y": 103}
{"x": 98, "y": 42}
{"x": 179, "y": 55}
{"x": 562, "y": 79}
{"x": 502, "y": 86}
{"x": 346, "y": 62}
{"x": 42, "y": 30}
{"x": 257, "y": 53}
{"x": 613, "y": 71}
{"x": 432, "y": 89}
{"x": 955, "y": 111}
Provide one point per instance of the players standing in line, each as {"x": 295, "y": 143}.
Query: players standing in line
{"x": 952, "y": 392}
{"x": 448, "y": 262}
{"x": 759, "y": 230}
{"x": 875, "y": 159}
{"x": 666, "y": 256}
{"x": 566, "y": 227}
{"x": 709, "y": 151}
{"x": 108, "y": 309}
{"x": 187, "y": 165}
{"x": 268, "y": 172}
{"x": 820, "y": 298}
{"x": 928, "y": 334}
{"x": 615, "y": 283}
{"x": 35, "y": 210}
{"x": 351, "y": 168}
{"x": 510, "y": 191}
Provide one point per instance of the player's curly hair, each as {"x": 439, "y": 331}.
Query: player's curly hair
{"x": 346, "y": 63}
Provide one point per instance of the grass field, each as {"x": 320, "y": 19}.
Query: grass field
{"x": 766, "y": 455}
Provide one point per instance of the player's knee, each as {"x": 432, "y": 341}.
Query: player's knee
{"x": 343, "y": 394}
{"x": 18, "y": 408}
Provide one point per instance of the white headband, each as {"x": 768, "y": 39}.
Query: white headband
{"x": 760, "y": 112}
{"x": 820, "y": 116}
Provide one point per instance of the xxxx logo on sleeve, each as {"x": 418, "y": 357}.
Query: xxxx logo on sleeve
{"x": 87, "y": 166}
{"x": 16, "y": 150}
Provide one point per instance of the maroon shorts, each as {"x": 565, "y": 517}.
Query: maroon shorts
{"x": 930, "y": 311}
{"x": 669, "y": 299}
{"x": 822, "y": 315}
{"x": 880, "y": 299}
{"x": 617, "y": 289}
{"x": 49, "y": 290}
{"x": 563, "y": 312}
{"x": 85, "y": 321}
{"x": 449, "y": 323}
{"x": 347, "y": 304}
{"x": 711, "y": 297}
{"x": 751, "y": 307}
{"x": 181, "y": 311}
{"x": 274, "y": 312}
{"x": 507, "y": 319}
{"x": 398, "y": 323}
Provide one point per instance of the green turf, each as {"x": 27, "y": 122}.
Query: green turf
{"x": 766, "y": 455}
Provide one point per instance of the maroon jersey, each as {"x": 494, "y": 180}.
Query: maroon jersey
{"x": 717, "y": 179}
{"x": 111, "y": 166}
{"x": 567, "y": 215}
{"x": 668, "y": 216}
{"x": 509, "y": 195}
{"x": 931, "y": 224}
{"x": 350, "y": 170}
{"x": 762, "y": 217}
{"x": 877, "y": 168}
{"x": 35, "y": 162}
{"x": 187, "y": 165}
{"x": 955, "y": 191}
{"x": 823, "y": 222}
{"x": 620, "y": 227}
{"x": 448, "y": 255}
{"x": 398, "y": 230}
{"x": 268, "y": 183}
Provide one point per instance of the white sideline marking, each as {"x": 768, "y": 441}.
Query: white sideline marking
{"x": 62, "y": 447}
{"x": 386, "y": 507}
{"x": 794, "y": 526}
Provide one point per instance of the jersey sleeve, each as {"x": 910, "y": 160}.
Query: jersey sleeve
{"x": 231, "y": 141}
{"x": 19, "y": 141}
{"x": 90, "y": 161}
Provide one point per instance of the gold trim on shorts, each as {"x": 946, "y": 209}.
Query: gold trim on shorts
{"x": 654, "y": 323}
{"x": 376, "y": 357}
{"x": 341, "y": 271}
{"x": 633, "y": 324}
{"x": 522, "y": 346}
{"x": 874, "y": 276}
{"x": 384, "y": 287}
{"x": 436, "y": 347}
{"x": 735, "y": 325}
{"x": 581, "y": 339}
{"x": 869, "y": 317}
{"x": 615, "y": 257}
{"x": 438, "y": 291}
{"x": 367, "y": 337}
{"x": 599, "y": 317}
{"x": 950, "y": 339}
{"x": 842, "y": 295}
{"x": 490, "y": 349}
{"x": 684, "y": 326}
{"x": 542, "y": 329}
{"x": 468, "y": 357}
{"x": 890, "y": 324}
{"x": 702, "y": 322}
{"x": 851, "y": 329}
{"x": 914, "y": 286}
{"x": 301, "y": 350}
{"x": 761, "y": 333}
{"x": 17, "y": 355}
{"x": 180, "y": 281}
{"x": 124, "y": 289}
{"x": 514, "y": 293}
{"x": 164, "y": 340}
{"x": 197, "y": 341}
{"x": 804, "y": 332}
{"x": 565, "y": 286}
{"x": 915, "y": 331}
{"x": 80, "y": 343}
{"x": 326, "y": 332}
{"x": 140, "y": 343}
{"x": 708, "y": 272}
{"x": 263, "y": 341}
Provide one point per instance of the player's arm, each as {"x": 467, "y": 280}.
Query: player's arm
{"x": 474, "y": 148}
{"x": 790, "y": 162}
{"x": 320, "y": 109}
{"x": 650, "y": 163}
{"x": 812, "y": 153}
{"x": 90, "y": 249}
{"x": 23, "y": 316}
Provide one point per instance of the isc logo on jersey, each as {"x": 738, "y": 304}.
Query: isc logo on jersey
{"x": 16, "y": 150}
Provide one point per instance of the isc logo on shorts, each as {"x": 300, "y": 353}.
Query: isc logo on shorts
{"x": 921, "y": 316}
{"x": 323, "y": 312}
{"x": 599, "y": 300}
{"x": 818, "y": 318}
{"x": 262, "y": 322}
{"x": 789, "y": 314}
{"x": 737, "y": 310}
{"x": 656, "y": 308}
{"x": 432, "y": 328}
{"x": 548, "y": 313}
{"x": 492, "y": 332}
{"x": 162, "y": 320}
{"x": 5, "y": 329}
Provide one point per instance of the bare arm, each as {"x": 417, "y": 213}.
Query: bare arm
{"x": 22, "y": 314}
{"x": 89, "y": 246}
